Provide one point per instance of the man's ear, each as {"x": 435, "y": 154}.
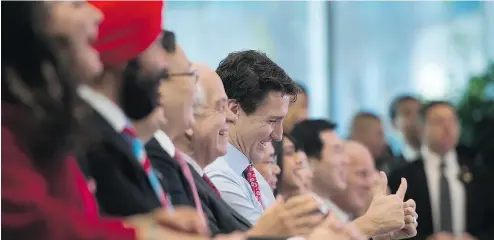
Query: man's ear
{"x": 234, "y": 106}
{"x": 189, "y": 133}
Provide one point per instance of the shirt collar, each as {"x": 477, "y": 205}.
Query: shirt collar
{"x": 166, "y": 142}
{"x": 104, "y": 106}
{"x": 433, "y": 160}
{"x": 409, "y": 153}
{"x": 194, "y": 164}
{"x": 237, "y": 161}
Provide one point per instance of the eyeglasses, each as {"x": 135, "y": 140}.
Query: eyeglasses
{"x": 193, "y": 74}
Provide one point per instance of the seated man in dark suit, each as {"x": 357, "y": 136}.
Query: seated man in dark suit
{"x": 453, "y": 196}
{"x": 200, "y": 145}
{"x": 125, "y": 92}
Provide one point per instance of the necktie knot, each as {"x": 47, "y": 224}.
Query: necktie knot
{"x": 129, "y": 131}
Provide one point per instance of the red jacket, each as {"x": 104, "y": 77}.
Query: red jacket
{"x": 53, "y": 204}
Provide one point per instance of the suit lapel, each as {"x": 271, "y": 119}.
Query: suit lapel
{"x": 110, "y": 136}
{"x": 421, "y": 194}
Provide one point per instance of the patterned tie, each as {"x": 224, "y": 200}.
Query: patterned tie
{"x": 211, "y": 184}
{"x": 250, "y": 175}
{"x": 188, "y": 175}
{"x": 139, "y": 152}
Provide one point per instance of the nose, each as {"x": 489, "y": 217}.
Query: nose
{"x": 276, "y": 169}
{"x": 230, "y": 116}
{"x": 96, "y": 13}
{"x": 277, "y": 133}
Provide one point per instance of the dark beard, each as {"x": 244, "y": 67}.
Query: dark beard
{"x": 139, "y": 95}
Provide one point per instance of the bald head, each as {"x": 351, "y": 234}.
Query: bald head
{"x": 361, "y": 172}
{"x": 358, "y": 153}
{"x": 210, "y": 132}
{"x": 209, "y": 85}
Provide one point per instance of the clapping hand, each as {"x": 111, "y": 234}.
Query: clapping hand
{"x": 333, "y": 229}
{"x": 294, "y": 217}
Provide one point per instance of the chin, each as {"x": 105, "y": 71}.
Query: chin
{"x": 221, "y": 150}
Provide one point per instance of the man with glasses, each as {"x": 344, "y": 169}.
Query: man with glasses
{"x": 177, "y": 95}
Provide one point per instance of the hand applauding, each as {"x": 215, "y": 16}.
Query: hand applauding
{"x": 297, "y": 216}
{"x": 334, "y": 229}
{"x": 183, "y": 224}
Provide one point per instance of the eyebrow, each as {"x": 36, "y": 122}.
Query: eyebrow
{"x": 277, "y": 117}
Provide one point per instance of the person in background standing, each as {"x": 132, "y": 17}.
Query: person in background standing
{"x": 404, "y": 115}
{"x": 297, "y": 111}
{"x": 367, "y": 128}
{"x": 454, "y": 197}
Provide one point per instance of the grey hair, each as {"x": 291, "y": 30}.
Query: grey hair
{"x": 200, "y": 100}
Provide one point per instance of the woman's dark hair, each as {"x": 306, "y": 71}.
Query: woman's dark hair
{"x": 278, "y": 151}
{"x": 35, "y": 84}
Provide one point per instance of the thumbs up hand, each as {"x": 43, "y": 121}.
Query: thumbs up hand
{"x": 386, "y": 212}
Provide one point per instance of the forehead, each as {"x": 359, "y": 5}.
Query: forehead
{"x": 269, "y": 148}
{"x": 153, "y": 58}
{"x": 359, "y": 155}
{"x": 440, "y": 110}
{"x": 275, "y": 103}
{"x": 409, "y": 103}
{"x": 287, "y": 142}
{"x": 330, "y": 137}
{"x": 214, "y": 87}
{"x": 177, "y": 61}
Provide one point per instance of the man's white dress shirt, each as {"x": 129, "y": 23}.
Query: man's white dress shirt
{"x": 104, "y": 106}
{"x": 457, "y": 189}
{"x": 227, "y": 175}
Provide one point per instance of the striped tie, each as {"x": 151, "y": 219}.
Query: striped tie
{"x": 139, "y": 152}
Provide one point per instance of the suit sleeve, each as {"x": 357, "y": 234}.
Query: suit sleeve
{"x": 29, "y": 212}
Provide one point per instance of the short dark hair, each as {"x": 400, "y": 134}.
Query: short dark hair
{"x": 302, "y": 88}
{"x": 365, "y": 114}
{"x": 395, "y": 104}
{"x": 426, "y": 107}
{"x": 168, "y": 41}
{"x": 307, "y": 134}
{"x": 248, "y": 76}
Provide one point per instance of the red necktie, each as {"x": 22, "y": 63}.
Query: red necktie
{"x": 188, "y": 175}
{"x": 250, "y": 175}
{"x": 211, "y": 184}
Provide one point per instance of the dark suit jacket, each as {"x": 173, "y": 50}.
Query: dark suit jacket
{"x": 221, "y": 217}
{"x": 479, "y": 197}
{"x": 177, "y": 186}
{"x": 122, "y": 186}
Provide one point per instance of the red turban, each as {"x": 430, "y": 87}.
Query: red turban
{"x": 128, "y": 28}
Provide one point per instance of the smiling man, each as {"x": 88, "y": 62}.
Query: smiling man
{"x": 259, "y": 92}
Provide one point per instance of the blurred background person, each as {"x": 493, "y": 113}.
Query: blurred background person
{"x": 328, "y": 161}
{"x": 454, "y": 197}
{"x": 368, "y": 129}
{"x": 268, "y": 166}
{"x": 295, "y": 177}
{"x": 356, "y": 198}
{"x": 404, "y": 114}
{"x": 297, "y": 111}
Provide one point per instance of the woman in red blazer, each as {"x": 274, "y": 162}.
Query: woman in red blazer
{"x": 46, "y": 52}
